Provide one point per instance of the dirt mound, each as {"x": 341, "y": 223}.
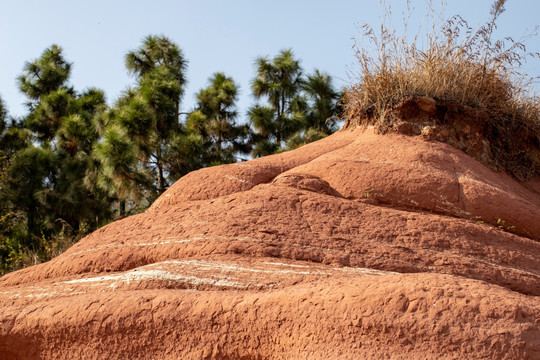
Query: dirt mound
{"x": 356, "y": 246}
{"x": 506, "y": 143}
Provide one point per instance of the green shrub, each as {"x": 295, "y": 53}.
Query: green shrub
{"x": 15, "y": 256}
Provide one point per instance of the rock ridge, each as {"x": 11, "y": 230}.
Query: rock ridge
{"x": 356, "y": 246}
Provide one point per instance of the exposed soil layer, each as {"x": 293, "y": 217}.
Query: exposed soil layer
{"x": 355, "y": 246}
{"x": 502, "y": 142}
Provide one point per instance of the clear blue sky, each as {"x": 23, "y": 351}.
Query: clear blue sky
{"x": 215, "y": 36}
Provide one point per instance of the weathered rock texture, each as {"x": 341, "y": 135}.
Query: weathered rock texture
{"x": 356, "y": 246}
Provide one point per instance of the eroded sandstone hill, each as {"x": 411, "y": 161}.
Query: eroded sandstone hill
{"x": 356, "y": 246}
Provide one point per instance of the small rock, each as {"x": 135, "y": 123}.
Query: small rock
{"x": 429, "y": 132}
{"x": 427, "y": 105}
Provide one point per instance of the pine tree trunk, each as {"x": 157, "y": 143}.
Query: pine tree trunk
{"x": 177, "y": 112}
{"x": 122, "y": 208}
{"x": 30, "y": 224}
{"x": 159, "y": 168}
{"x": 161, "y": 180}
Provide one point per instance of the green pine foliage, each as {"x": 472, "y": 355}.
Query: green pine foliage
{"x": 297, "y": 107}
{"x": 214, "y": 120}
{"x": 45, "y": 75}
{"x": 46, "y": 157}
{"x": 72, "y": 163}
{"x": 135, "y": 158}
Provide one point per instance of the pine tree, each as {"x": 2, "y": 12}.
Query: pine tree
{"x": 141, "y": 136}
{"x": 45, "y": 177}
{"x": 297, "y": 110}
{"x": 322, "y": 111}
{"x": 214, "y": 119}
{"x": 279, "y": 81}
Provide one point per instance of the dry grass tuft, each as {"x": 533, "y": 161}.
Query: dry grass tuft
{"x": 461, "y": 66}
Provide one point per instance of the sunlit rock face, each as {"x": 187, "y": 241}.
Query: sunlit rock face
{"x": 355, "y": 246}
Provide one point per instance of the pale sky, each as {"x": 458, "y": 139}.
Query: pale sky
{"x": 214, "y": 35}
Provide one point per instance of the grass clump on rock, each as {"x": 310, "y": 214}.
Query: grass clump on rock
{"x": 462, "y": 87}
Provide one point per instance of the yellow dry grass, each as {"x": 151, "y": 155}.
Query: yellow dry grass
{"x": 458, "y": 65}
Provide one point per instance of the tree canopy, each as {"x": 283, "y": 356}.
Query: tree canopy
{"x": 73, "y": 163}
{"x": 295, "y": 105}
{"x": 214, "y": 119}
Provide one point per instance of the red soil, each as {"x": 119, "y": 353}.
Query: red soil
{"x": 356, "y": 246}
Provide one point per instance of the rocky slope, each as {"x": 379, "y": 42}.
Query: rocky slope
{"x": 356, "y": 246}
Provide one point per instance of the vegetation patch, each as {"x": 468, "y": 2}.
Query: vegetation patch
{"x": 463, "y": 87}
{"x": 73, "y": 163}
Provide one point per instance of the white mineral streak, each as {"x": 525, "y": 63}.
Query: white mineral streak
{"x": 191, "y": 273}
{"x": 231, "y": 177}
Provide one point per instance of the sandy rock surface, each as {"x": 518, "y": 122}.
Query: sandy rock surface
{"x": 356, "y": 246}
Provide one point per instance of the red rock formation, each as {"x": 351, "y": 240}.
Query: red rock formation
{"x": 356, "y": 246}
